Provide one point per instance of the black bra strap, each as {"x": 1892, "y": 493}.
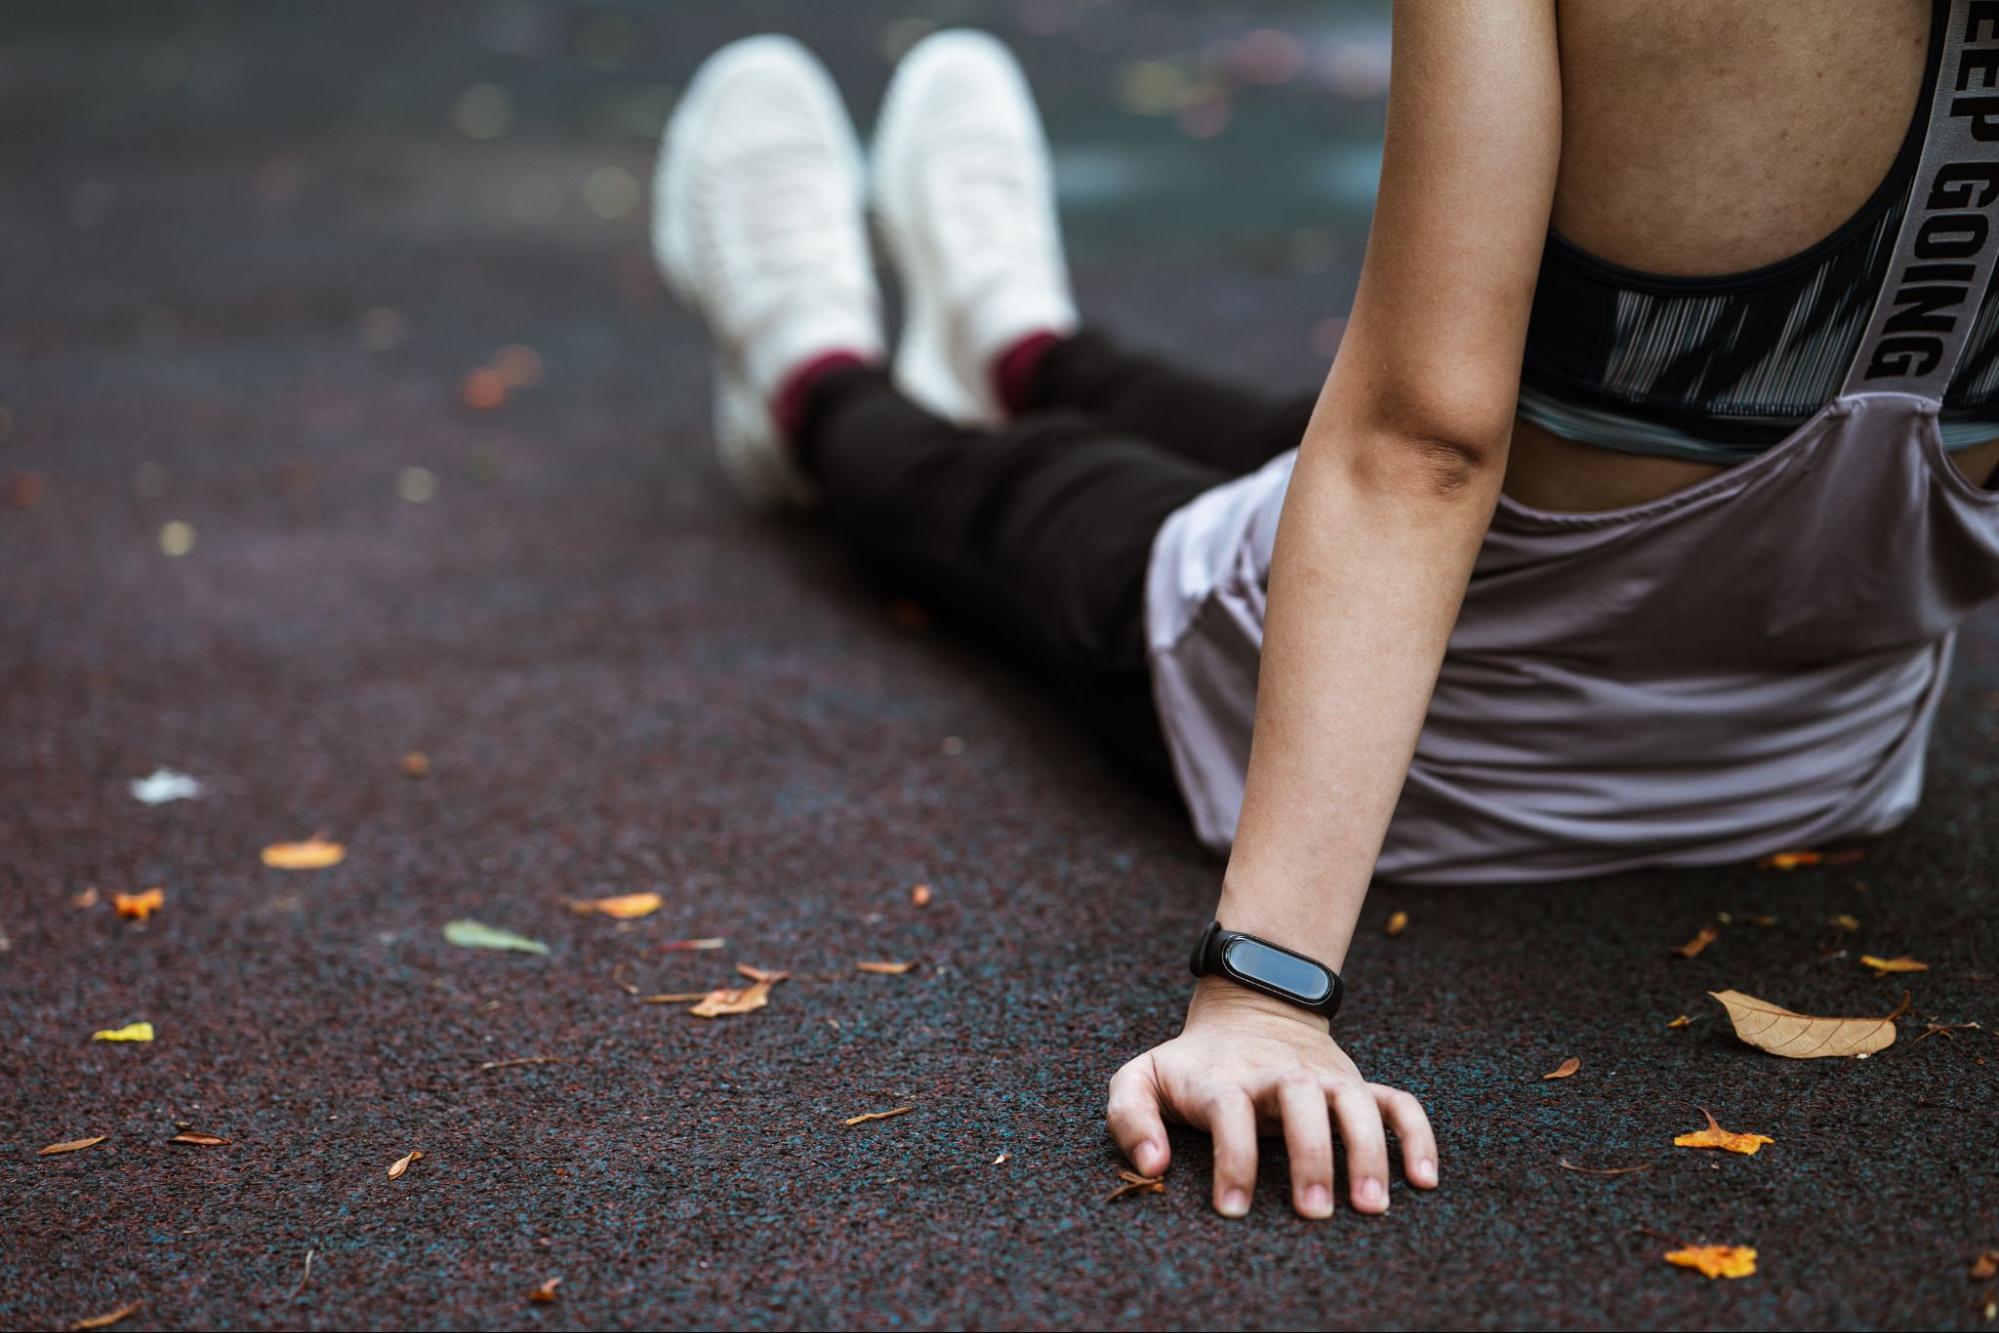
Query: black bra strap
{"x": 1949, "y": 240}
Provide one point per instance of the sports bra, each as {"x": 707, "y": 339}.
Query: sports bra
{"x": 1718, "y": 369}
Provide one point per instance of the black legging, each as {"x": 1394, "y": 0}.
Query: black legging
{"x": 1036, "y": 535}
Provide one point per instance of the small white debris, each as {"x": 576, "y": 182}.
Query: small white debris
{"x": 166, "y": 785}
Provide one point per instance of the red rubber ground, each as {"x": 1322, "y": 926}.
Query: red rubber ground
{"x": 624, "y": 683}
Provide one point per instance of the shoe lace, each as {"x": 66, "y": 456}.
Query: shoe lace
{"x": 989, "y": 196}
{"x": 792, "y": 228}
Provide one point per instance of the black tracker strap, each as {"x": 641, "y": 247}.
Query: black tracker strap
{"x": 1270, "y": 968}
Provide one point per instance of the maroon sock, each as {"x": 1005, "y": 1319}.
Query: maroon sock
{"x": 787, "y": 405}
{"x": 1014, "y": 370}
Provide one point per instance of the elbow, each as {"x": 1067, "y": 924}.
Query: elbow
{"x": 1433, "y": 462}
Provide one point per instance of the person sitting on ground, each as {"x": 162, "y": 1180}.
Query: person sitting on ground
{"x": 1632, "y": 526}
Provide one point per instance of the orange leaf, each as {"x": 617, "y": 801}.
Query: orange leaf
{"x": 73, "y": 1145}
{"x": 1714, "y": 1136}
{"x": 1680, "y": 1022}
{"x": 315, "y": 853}
{"x": 1692, "y": 948}
{"x": 1985, "y": 1267}
{"x": 885, "y": 969}
{"x": 624, "y": 906}
{"x": 139, "y": 906}
{"x": 1801, "y": 1036}
{"x": 1134, "y": 1183}
{"x": 416, "y": 764}
{"x": 545, "y": 1293}
{"x": 1564, "y": 1069}
{"x": 88, "y": 898}
{"x": 1888, "y": 966}
{"x": 199, "y": 1140}
{"x": 1397, "y": 923}
{"x": 1798, "y": 860}
{"x": 1716, "y": 1260}
{"x": 402, "y": 1164}
{"x": 106, "y": 1320}
{"x": 853, "y": 1120}
{"x": 920, "y": 895}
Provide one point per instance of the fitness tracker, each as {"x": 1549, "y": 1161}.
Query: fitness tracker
{"x": 1272, "y": 969}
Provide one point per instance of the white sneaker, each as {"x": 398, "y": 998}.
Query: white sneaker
{"x": 966, "y": 203}
{"x": 759, "y": 224}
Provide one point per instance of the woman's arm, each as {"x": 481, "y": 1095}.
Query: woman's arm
{"x": 1394, "y": 487}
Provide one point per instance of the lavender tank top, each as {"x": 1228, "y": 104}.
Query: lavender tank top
{"x": 1745, "y": 666}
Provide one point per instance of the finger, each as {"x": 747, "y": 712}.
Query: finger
{"x": 1134, "y": 1117}
{"x": 1406, "y": 1117}
{"x": 1367, "y": 1147}
{"x": 1308, "y": 1138}
{"x": 1232, "y": 1123}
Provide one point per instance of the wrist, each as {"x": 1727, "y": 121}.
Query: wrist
{"x": 1310, "y": 928}
{"x": 1218, "y": 999}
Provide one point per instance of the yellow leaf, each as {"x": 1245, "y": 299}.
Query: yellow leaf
{"x": 1845, "y": 921}
{"x": 853, "y": 1120}
{"x": 884, "y": 969}
{"x": 73, "y": 1145}
{"x": 1714, "y": 1136}
{"x": 624, "y": 906}
{"x": 106, "y": 1320}
{"x": 402, "y": 1164}
{"x": 315, "y": 853}
{"x": 1564, "y": 1069}
{"x": 130, "y": 1032}
{"x": 1692, "y": 948}
{"x": 1801, "y": 1036}
{"x": 139, "y": 906}
{"x": 1397, "y": 923}
{"x": 1715, "y": 1260}
{"x": 1887, "y": 966}
{"x": 1680, "y": 1022}
{"x": 199, "y": 1140}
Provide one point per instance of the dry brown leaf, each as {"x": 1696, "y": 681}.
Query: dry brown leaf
{"x": 749, "y": 973}
{"x": 139, "y": 906}
{"x": 107, "y": 1319}
{"x": 72, "y": 1145}
{"x": 1985, "y": 1267}
{"x": 1799, "y": 860}
{"x": 1681, "y": 1022}
{"x": 1001, "y": 1158}
{"x": 739, "y": 1001}
{"x": 1844, "y": 921}
{"x": 920, "y": 895}
{"x": 402, "y": 1164}
{"x": 1760, "y": 919}
{"x": 1890, "y": 966}
{"x": 885, "y": 969}
{"x": 1714, "y": 1136}
{"x": 416, "y": 764}
{"x": 623, "y": 906}
{"x": 618, "y": 979}
{"x": 1692, "y": 948}
{"x": 1563, "y": 1070}
{"x": 1397, "y": 923}
{"x": 545, "y": 1293}
{"x": 679, "y": 996}
{"x": 199, "y": 1140}
{"x": 853, "y": 1120}
{"x": 86, "y": 899}
{"x": 710, "y": 942}
{"x": 1795, "y": 1036}
{"x": 1134, "y": 1183}
{"x": 1716, "y": 1260}
{"x": 315, "y": 853}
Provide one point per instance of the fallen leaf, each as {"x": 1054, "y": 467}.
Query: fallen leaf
{"x": 1397, "y": 923}
{"x": 402, "y": 1164}
{"x": 1985, "y": 1267}
{"x": 675, "y": 946}
{"x": 130, "y": 1032}
{"x": 1799, "y": 860}
{"x": 545, "y": 1293}
{"x": 163, "y": 785}
{"x": 1760, "y": 919}
{"x": 73, "y": 1145}
{"x": 618, "y": 980}
{"x": 1714, "y": 1136}
{"x": 624, "y": 906}
{"x": 1001, "y": 1158}
{"x": 1567, "y": 1165}
{"x": 86, "y": 899}
{"x": 743, "y": 1000}
{"x": 677, "y": 997}
{"x": 315, "y": 853}
{"x": 1800, "y": 1036}
{"x": 885, "y": 969}
{"x": 1889, "y": 966}
{"x": 1564, "y": 1069}
{"x": 1692, "y": 948}
{"x": 520, "y": 1060}
{"x": 416, "y": 764}
{"x": 139, "y": 906}
{"x": 851, "y": 1121}
{"x": 106, "y": 1320}
{"x": 1681, "y": 1022}
{"x": 920, "y": 895}
{"x": 760, "y": 974}
{"x": 1134, "y": 1183}
{"x": 1715, "y": 1260}
{"x": 199, "y": 1140}
{"x": 478, "y": 935}
{"x": 1844, "y": 921}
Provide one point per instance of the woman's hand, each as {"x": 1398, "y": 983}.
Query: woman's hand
{"x": 1245, "y": 1063}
